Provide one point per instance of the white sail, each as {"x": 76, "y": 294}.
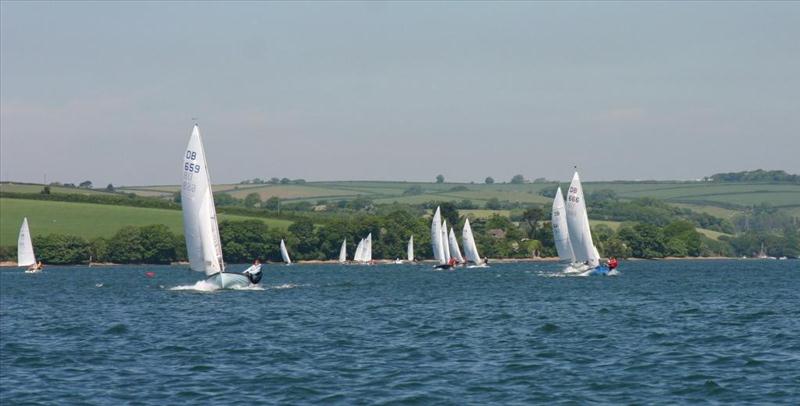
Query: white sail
{"x": 470, "y": 250}
{"x": 580, "y": 235}
{"x": 558, "y": 220}
{"x": 436, "y": 237}
{"x": 343, "y": 252}
{"x": 359, "y": 255}
{"x": 25, "y": 255}
{"x": 455, "y": 252}
{"x": 199, "y": 215}
{"x": 285, "y": 253}
{"x": 410, "y": 249}
{"x": 368, "y": 248}
{"x": 445, "y": 242}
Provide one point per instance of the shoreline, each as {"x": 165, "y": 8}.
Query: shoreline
{"x": 13, "y": 264}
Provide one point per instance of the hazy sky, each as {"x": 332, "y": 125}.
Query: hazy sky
{"x": 398, "y": 91}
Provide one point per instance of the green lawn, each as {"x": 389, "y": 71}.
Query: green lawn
{"x": 89, "y": 220}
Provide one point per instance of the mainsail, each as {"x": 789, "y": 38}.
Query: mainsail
{"x": 285, "y": 253}
{"x": 445, "y": 242}
{"x": 455, "y": 252}
{"x": 436, "y": 237}
{"x": 470, "y": 250}
{"x": 368, "y": 248}
{"x": 558, "y": 220}
{"x": 359, "y": 255}
{"x": 199, "y": 215}
{"x": 580, "y": 234}
{"x": 343, "y": 252}
{"x": 410, "y": 249}
{"x": 25, "y": 255}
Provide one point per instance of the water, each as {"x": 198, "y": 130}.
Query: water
{"x": 669, "y": 332}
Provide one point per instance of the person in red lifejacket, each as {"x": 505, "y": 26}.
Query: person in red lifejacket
{"x": 452, "y": 262}
{"x": 612, "y": 263}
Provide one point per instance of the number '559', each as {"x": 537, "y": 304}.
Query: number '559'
{"x": 191, "y": 167}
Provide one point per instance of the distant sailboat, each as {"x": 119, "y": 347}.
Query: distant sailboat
{"x": 445, "y": 242}
{"x": 437, "y": 243}
{"x": 359, "y": 254}
{"x": 410, "y": 250}
{"x": 455, "y": 252}
{"x": 580, "y": 234}
{"x": 368, "y": 249}
{"x": 558, "y": 220}
{"x": 343, "y": 252}
{"x": 285, "y": 254}
{"x": 200, "y": 222}
{"x": 25, "y": 256}
{"x": 470, "y": 249}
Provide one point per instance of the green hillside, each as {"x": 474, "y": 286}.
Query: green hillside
{"x": 89, "y": 220}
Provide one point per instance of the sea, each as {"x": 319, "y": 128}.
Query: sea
{"x": 661, "y": 332}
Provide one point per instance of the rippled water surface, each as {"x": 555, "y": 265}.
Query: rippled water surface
{"x": 662, "y": 332}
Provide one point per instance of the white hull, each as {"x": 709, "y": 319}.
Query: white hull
{"x": 33, "y": 271}
{"x": 227, "y": 280}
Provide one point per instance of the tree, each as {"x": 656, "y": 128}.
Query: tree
{"x": 224, "y": 199}
{"x": 273, "y": 203}
{"x": 45, "y": 190}
{"x": 532, "y": 216}
{"x": 285, "y": 181}
{"x": 87, "y": 184}
{"x": 274, "y": 181}
{"x": 244, "y": 241}
{"x": 252, "y": 200}
{"x": 493, "y": 204}
{"x": 518, "y": 179}
{"x": 61, "y": 249}
{"x": 439, "y": 178}
{"x": 489, "y": 180}
{"x": 449, "y": 213}
{"x": 110, "y": 188}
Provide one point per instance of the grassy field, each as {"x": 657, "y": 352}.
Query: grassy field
{"x": 89, "y": 220}
{"x": 701, "y": 196}
{"x": 33, "y": 188}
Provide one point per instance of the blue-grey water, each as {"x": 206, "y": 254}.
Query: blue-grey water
{"x": 662, "y": 332}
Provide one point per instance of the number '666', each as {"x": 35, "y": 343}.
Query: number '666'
{"x": 191, "y": 167}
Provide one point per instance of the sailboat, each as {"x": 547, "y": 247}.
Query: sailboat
{"x": 368, "y": 249}
{"x": 343, "y": 252}
{"x": 558, "y": 220}
{"x": 200, "y": 222}
{"x": 580, "y": 234}
{"x": 445, "y": 242}
{"x": 359, "y": 255}
{"x": 410, "y": 250}
{"x": 437, "y": 241}
{"x": 25, "y": 256}
{"x": 285, "y": 254}
{"x": 470, "y": 249}
{"x": 455, "y": 252}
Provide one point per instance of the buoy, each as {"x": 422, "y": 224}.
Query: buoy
{"x": 150, "y": 274}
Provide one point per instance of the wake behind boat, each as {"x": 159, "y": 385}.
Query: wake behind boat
{"x": 200, "y": 222}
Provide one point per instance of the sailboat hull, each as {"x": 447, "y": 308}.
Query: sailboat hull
{"x": 227, "y": 280}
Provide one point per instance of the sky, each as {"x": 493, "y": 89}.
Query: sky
{"x": 397, "y": 91}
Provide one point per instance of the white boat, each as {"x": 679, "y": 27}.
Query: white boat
{"x": 343, "y": 252}
{"x": 368, "y": 249}
{"x": 455, "y": 252}
{"x": 445, "y": 242}
{"x": 359, "y": 254}
{"x": 410, "y": 250}
{"x": 580, "y": 234}
{"x": 200, "y": 222}
{"x": 558, "y": 220}
{"x": 25, "y": 255}
{"x": 470, "y": 249}
{"x": 285, "y": 254}
{"x": 437, "y": 243}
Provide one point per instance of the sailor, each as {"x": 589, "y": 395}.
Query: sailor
{"x": 452, "y": 262}
{"x": 612, "y": 263}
